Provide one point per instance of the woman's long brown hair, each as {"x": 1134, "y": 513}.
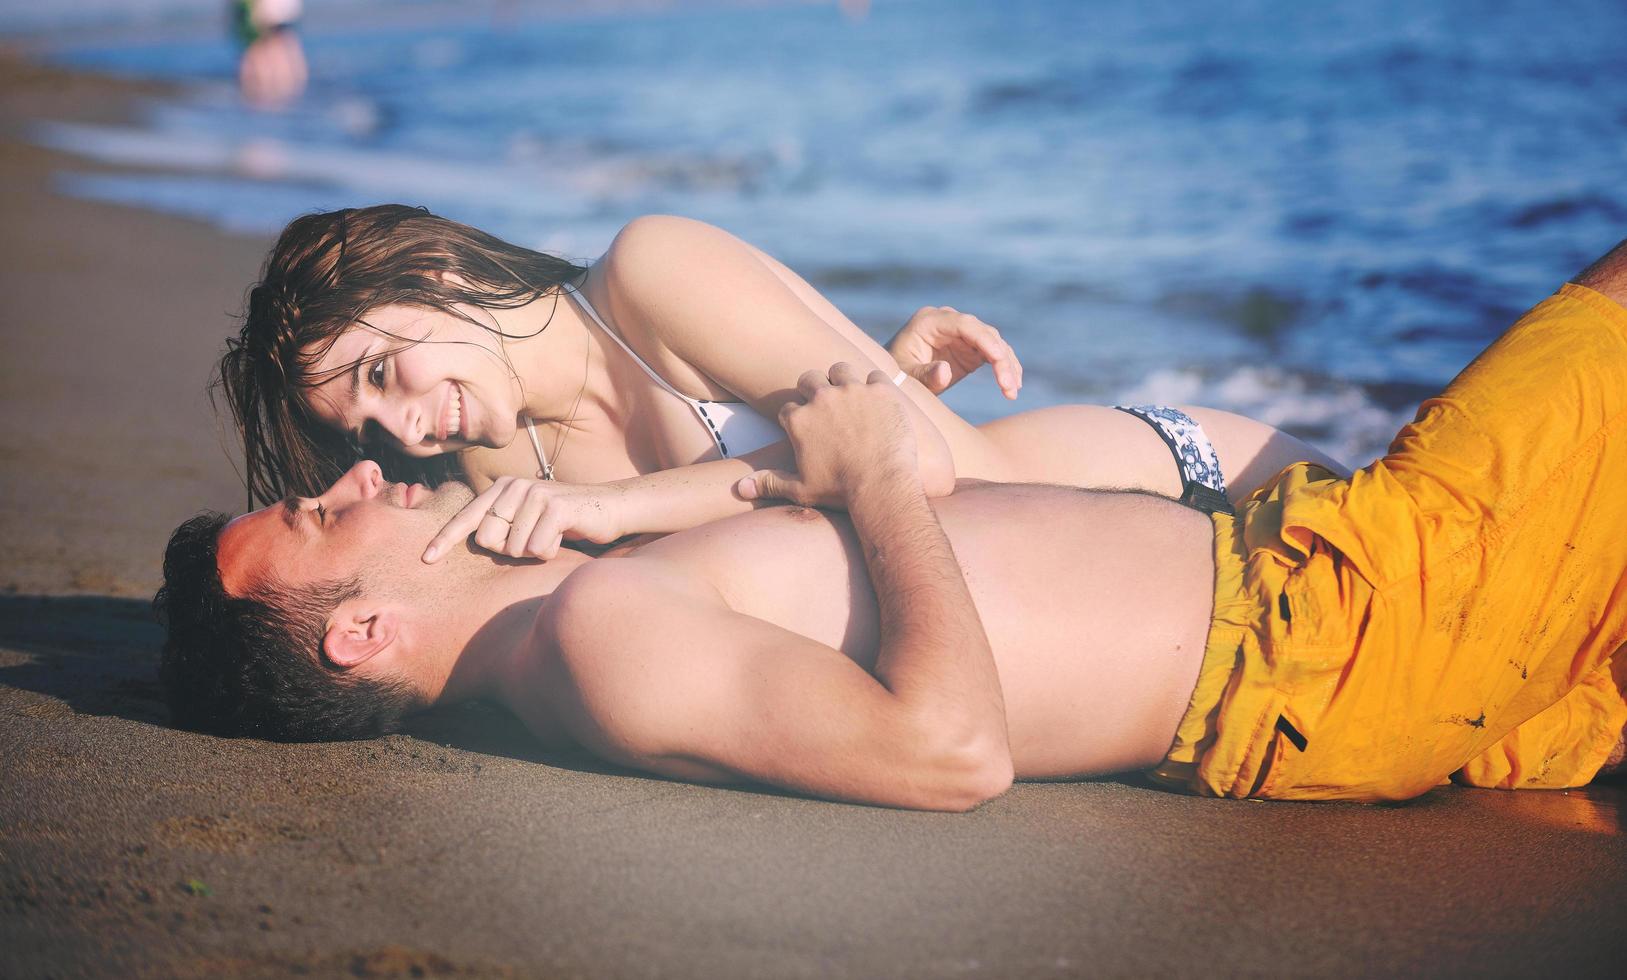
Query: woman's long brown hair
{"x": 326, "y": 272}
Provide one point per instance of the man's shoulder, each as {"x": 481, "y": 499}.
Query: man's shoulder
{"x": 627, "y": 634}
{"x": 601, "y": 603}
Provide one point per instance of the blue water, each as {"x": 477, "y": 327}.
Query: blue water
{"x": 1311, "y": 213}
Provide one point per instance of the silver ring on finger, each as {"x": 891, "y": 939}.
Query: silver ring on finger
{"x": 505, "y": 520}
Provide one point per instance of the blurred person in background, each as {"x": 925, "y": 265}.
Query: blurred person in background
{"x": 635, "y": 394}
{"x": 272, "y": 71}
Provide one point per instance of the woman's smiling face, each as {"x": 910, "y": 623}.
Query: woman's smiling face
{"x": 423, "y": 381}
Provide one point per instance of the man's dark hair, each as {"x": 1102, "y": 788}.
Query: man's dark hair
{"x": 253, "y": 665}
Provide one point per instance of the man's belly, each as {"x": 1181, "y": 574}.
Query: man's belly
{"x": 1096, "y": 606}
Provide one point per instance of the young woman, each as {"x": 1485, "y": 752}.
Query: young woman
{"x": 630, "y": 395}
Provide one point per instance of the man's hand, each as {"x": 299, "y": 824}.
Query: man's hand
{"x": 940, "y": 345}
{"x": 845, "y": 429}
{"x": 525, "y": 518}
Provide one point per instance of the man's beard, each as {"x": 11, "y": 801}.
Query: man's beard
{"x": 449, "y": 498}
{"x": 443, "y": 504}
{"x": 399, "y": 575}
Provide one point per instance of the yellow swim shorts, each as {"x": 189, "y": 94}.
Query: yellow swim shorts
{"x": 1455, "y": 605}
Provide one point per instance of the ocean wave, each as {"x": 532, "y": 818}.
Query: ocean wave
{"x": 1357, "y": 192}
{"x": 1262, "y": 312}
{"x": 1566, "y": 208}
{"x": 527, "y": 172}
{"x": 884, "y": 275}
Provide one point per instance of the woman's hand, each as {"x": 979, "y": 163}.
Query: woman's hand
{"x": 940, "y": 345}
{"x": 525, "y": 518}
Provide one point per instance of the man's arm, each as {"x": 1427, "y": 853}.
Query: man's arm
{"x": 934, "y": 654}
{"x": 666, "y": 677}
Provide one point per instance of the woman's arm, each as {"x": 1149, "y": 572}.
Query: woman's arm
{"x": 716, "y": 318}
{"x": 534, "y": 517}
{"x": 719, "y": 313}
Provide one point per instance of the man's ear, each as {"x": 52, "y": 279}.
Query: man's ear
{"x": 359, "y": 630}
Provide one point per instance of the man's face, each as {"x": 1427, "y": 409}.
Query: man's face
{"x": 360, "y": 526}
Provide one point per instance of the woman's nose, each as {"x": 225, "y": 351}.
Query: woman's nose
{"x": 404, "y": 424}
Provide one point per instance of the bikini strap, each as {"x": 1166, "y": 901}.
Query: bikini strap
{"x": 582, "y": 301}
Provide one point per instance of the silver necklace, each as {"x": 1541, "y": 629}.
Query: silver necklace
{"x": 547, "y": 470}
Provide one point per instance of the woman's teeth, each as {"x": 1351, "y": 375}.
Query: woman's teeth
{"x": 454, "y": 413}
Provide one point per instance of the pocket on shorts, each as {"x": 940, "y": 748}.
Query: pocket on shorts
{"x": 1321, "y": 604}
{"x": 1320, "y": 612}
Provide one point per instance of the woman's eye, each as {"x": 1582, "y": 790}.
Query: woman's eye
{"x": 375, "y": 376}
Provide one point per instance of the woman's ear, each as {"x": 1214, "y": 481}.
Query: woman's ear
{"x": 358, "y": 631}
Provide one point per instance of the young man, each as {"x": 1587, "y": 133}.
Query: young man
{"x": 1453, "y": 607}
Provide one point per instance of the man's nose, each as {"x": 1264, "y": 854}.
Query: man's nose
{"x": 361, "y": 482}
{"x": 369, "y": 478}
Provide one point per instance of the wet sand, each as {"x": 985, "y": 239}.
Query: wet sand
{"x": 111, "y": 318}
{"x": 459, "y": 849}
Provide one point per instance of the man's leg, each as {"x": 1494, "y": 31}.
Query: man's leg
{"x": 1407, "y": 620}
{"x": 1561, "y": 746}
{"x": 1424, "y": 609}
{"x": 1494, "y": 538}
{"x": 1566, "y": 744}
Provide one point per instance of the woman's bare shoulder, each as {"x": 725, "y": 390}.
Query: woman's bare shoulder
{"x": 662, "y": 231}
{"x": 674, "y": 281}
{"x": 657, "y": 252}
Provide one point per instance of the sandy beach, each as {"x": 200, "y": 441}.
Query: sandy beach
{"x": 459, "y": 849}
{"x": 111, "y": 320}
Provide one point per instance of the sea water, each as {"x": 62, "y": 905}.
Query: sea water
{"x": 1311, "y": 213}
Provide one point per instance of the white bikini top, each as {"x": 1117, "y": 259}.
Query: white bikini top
{"x": 736, "y": 428}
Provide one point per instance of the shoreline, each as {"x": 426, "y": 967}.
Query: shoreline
{"x": 112, "y": 317}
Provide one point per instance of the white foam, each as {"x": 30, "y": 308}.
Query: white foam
{"x": 369, "y": 174}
